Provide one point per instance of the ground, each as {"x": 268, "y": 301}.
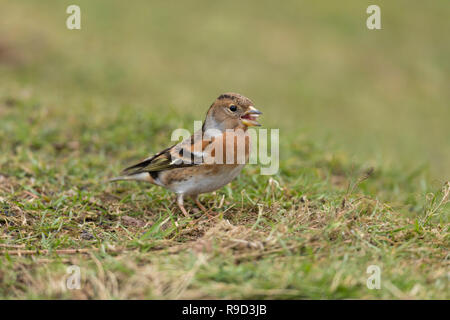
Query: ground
{"x": 364, "y": 151}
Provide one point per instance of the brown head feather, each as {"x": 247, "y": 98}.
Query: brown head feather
{"x": 226, "y": 111}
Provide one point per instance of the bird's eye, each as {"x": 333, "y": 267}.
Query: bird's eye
{"x": 233, "y": 108}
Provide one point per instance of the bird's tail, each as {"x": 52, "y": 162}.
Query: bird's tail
{"x": 143, "y": 176}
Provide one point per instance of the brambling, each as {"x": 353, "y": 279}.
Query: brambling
{"x": 211, "y": 158}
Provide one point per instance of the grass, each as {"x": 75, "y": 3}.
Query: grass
{"x": 363, "y": 119}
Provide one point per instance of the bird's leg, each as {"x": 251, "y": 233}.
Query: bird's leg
{"x": 180, "y": 204}
{"x": 202, "y": 207}
{"x": 199, "y": 204}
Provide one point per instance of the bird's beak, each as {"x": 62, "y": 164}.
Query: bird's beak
{"x": 250, "y": 116}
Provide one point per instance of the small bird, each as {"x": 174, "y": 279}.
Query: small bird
{"x": 209, "y": 159}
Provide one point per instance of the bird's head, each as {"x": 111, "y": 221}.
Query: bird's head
{"x": 231, "y": 111}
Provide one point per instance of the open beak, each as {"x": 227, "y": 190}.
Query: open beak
{"x": 250, "y": 116}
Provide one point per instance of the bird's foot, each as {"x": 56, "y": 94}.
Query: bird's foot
{"x": 183, "y": 210}
{"x": 202, "y": 207}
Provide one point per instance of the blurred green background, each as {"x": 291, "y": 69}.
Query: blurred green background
{"x": 380, "y": 96}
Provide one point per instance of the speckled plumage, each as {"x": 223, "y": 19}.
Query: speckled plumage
{"x": 195, "y": 165}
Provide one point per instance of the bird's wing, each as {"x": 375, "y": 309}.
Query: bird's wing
{"x": 196, "y": 151}
{"x": 179, "y": 155}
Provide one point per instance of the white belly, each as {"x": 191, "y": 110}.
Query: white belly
{"x": 206, "y": 183}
